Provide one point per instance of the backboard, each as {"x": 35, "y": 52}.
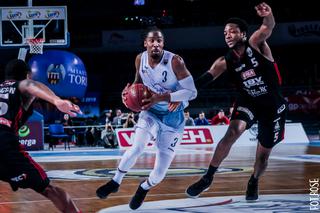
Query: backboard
{"x": 18, "y": 24}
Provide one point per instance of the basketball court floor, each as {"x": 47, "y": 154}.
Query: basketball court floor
{"x": 285, "y": 187}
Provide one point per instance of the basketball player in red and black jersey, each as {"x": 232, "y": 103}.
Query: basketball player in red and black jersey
{"x": 16, "y": 166}
{"x": 252, "y": 66}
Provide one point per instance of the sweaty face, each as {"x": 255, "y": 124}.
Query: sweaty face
{"x": 154, "y": 44}
{"x": 232, "y": 35}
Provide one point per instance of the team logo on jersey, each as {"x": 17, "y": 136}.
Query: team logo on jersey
{"x": 248, "y": 74}
{"x": 249, "y": 52}
{"x": 55, "y": 73}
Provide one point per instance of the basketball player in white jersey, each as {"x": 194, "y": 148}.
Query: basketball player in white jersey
{"x": 162, "y": 119}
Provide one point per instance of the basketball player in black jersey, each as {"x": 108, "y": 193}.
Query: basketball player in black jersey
{"x": 16, "y": 166}
{"x": 251, "y": 65}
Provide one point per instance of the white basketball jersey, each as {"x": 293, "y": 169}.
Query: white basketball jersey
{"x": 160, "y": 79}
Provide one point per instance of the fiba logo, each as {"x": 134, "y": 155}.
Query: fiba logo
{"x": 55, "y": 73}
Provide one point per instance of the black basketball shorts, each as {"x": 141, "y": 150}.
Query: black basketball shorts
{"x": 271, "y": 120}
{"x": 17, "y": 167}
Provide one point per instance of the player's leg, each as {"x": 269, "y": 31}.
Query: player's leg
{"x": 166, "y": 143}
{"x": 235, "y": 129}
{"x": 260, "y": 165}
{"x": 242, "y": 119}
{"x": 141, "y": 137}
{"x": 24, "y": 172}
{"x": 271, "y": 132}
{"x": 60, "y": 199}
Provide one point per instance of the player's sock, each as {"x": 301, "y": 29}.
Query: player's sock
{"x": 119, "y": 176}
{"x": 210, "y": 172}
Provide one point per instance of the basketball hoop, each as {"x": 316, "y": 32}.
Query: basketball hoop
{"x": 36, "y": 45}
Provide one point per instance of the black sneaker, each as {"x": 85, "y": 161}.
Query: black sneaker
{"x": 201, "y": 185}
{"x": 108, "y": 188}
{"x": 138, "y": 198}
{"x": 252, "y": 190}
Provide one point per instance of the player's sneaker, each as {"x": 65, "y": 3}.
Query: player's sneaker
{"x": 108, "y": 188}
{"x": 201, "y": 185}
{"x": 252, "y": 192}
{"x": 138, "y": 198}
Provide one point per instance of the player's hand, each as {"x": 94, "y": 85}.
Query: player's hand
{"x": 67, "y": 107}
{"x": 263, "y": 9}
{"x": 124, "y": 94}
{"x": 149, "y": 102}
{"x": 173, "y": 106}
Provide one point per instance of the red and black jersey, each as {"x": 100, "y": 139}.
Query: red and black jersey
{"x": 257, "y": 78}
{"x": 12, "y": 114}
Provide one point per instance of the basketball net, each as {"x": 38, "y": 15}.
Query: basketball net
{"x": 36, "y": 45}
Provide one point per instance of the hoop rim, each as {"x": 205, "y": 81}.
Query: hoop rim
{"x": 35, "y": 40}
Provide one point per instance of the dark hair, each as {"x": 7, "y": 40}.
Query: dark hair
{"x": 151, "y": 29}
{"x": 242, "y": 24}
{"x": 17, "y": 70}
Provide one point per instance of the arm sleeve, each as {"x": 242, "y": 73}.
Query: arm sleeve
{"x": 205, "y": 79}
{"x": 186, "y": 92}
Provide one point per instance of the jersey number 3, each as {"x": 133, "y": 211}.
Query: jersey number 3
{"x": 164, "y": 74}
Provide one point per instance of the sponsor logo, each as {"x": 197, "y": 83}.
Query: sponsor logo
{"x": 248, "y": 74}
{"x": 297, "y": 203}
{"x": 14, "y": 15}
{"x": 257, "y": 92}
{"x": 24, "y": 131}
{"x": 238, "y": 69}
{"x": 197, "y": 136}
{"x": 19, "y": 178}
{"x": 4, "y": 90}
{"x": 253, "y": 82}
{"x": 28, "y": 142}
{"x": 191, "y": 136}
{"x": 87, "y": 174}
{"x": 78, "y": 76}
{"x": 246, "y": 110}
{"x": 283, "y": 106}
{"x": 33, "y": 14}
{"x": 4, "y": 121}
{"x": 304, "y": 30}
{"x": 52, "y": 14}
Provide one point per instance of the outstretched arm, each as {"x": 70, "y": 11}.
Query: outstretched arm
{"x": 259, "y": 37}
{"x": 218, "y": 67}
{"x": 36, "y": 89}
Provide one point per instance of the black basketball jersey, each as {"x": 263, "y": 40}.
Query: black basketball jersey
{"x": 12, "y": 114}
{"x": 257, "y": 78}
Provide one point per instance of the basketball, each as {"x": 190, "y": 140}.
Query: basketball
{"x": 136, "y": 93}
